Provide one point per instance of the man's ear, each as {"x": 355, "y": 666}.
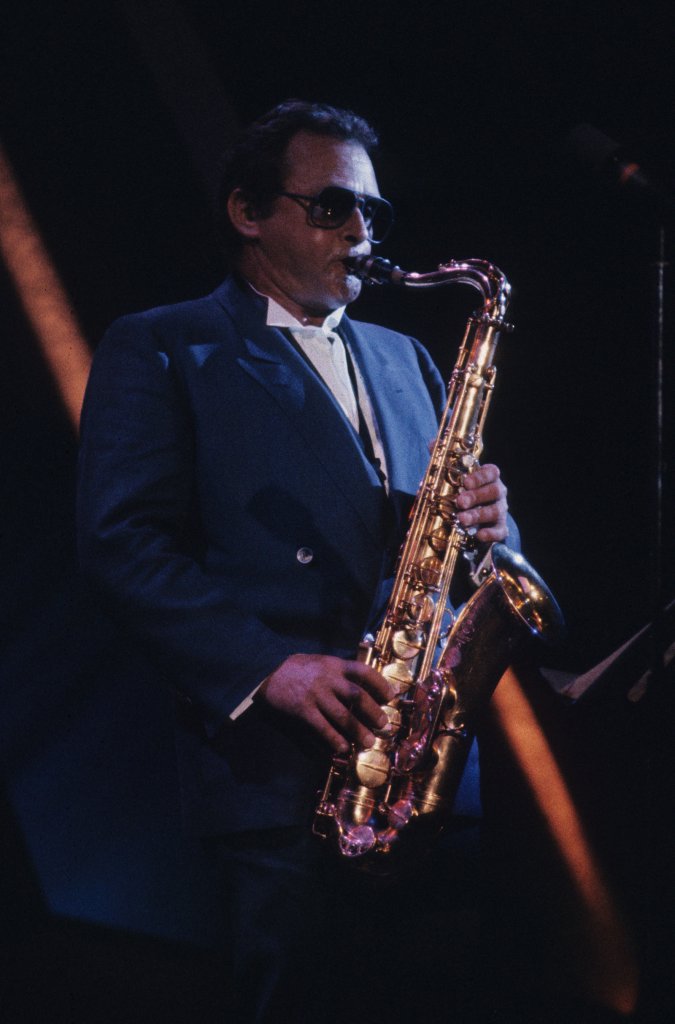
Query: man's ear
{"x": 242, "y": 213}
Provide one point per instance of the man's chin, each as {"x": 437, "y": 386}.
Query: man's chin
{"x": 350, "y": 289}
{"x": 340, "y": 295}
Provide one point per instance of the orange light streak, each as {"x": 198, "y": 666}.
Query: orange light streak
{"x": 42, "y": 295}
{"x": 610, "y": 968}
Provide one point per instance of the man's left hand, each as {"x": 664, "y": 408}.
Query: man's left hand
{"x": 482, "y": 504}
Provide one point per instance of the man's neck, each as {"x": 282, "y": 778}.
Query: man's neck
{"x": 265, "y": 286}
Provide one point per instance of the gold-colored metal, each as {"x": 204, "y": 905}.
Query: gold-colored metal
{"x": 381, "y": 800}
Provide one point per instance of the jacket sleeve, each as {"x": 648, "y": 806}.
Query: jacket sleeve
{"x": 135, "y": 517}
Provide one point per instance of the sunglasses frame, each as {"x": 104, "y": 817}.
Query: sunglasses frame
{"x": 359, "y": 200}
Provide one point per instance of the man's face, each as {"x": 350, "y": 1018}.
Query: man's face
{"x": 301, "y": 266}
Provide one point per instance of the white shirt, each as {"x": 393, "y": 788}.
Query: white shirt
{"x": 326, "y": 351}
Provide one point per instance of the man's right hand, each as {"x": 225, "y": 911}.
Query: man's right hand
{"x": 340, "y": 700}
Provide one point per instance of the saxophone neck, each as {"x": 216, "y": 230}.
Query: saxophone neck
{"x": 479, "y": 274}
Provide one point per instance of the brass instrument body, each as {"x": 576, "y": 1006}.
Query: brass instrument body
{"x": 382, "y": 799}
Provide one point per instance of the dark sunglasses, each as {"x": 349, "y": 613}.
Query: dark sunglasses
{"x": 334, "y": 206}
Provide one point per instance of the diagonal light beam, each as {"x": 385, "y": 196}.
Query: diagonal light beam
{"x": 609, "y": 964}
{"x": 42, "y": 295}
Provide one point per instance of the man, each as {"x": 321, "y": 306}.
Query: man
{"x": 248, "y": 462}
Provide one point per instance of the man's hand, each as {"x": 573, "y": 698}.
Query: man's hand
{"x": 483, "y": 505}
{"x": 340, "y": 700}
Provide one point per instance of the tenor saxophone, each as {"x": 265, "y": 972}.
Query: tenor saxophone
{"x": 397, "y": 795}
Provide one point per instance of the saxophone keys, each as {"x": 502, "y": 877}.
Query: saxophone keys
{"x": 399, "y": 676}
{"x": 373, "y": 766}
{"x": 429, "y": 570}
{"x": 400, "y": 813}
{"x": 407, "y": 643}
{"x": 421, "y": 607}
{"x": 357, "y": 841}
{"x": 393, "y": 723}
{"x": 438, "y": 539}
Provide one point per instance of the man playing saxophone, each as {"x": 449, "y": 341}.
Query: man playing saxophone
{"x": 247, "y": 467}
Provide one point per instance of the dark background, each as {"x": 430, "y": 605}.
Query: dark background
{"x": 113, "y": 117}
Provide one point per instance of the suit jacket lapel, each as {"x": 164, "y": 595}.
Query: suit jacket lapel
{"x": 400, "y": 422}
{"x": 273, "y": 361}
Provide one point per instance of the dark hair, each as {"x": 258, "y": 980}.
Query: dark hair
{"x": 255, "y": 161}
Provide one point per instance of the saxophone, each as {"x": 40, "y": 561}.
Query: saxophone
{"x": 397, "y": 795}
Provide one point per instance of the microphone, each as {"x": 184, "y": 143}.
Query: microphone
{"x": 605, "y": 156}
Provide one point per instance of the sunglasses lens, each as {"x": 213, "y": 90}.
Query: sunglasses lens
{"x": 334, "y": 206}
{"x": 378, "y": 217}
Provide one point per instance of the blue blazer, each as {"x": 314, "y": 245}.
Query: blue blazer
{"x": 228, "y": 514}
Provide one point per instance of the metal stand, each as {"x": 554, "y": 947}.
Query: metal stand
{"x": 659, "y": 596}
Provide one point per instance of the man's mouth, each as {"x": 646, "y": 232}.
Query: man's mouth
{"x": 349, "y": 263}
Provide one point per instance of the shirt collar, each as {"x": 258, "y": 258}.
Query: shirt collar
{"x": 277, "y": 316}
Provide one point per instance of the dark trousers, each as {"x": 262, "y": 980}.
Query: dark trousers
{"x": 312, "y": 940}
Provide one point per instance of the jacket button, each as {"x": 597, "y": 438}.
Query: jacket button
{"x": 304, "y": 555}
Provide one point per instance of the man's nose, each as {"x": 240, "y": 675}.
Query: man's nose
{"x": 356, "y": 229}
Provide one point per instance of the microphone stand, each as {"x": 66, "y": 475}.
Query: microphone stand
{"x": 606, "y": 157}
{"x": 660, "y": 268}
{"x": 659, "y": 697}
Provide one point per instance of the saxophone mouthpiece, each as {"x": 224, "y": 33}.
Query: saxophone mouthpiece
{"x": 375, "y": 270}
